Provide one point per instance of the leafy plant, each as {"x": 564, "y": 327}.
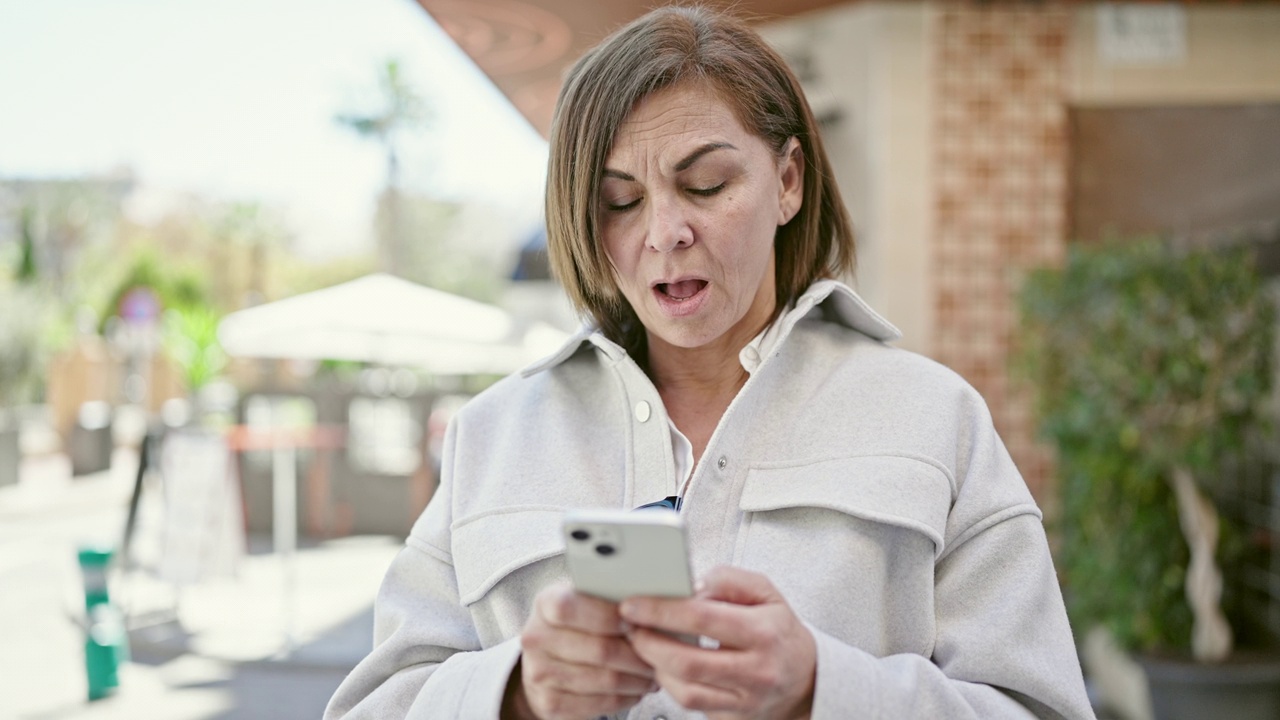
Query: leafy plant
{"x": 27, "y": 271}
{"x": 23, "y": 311}
{"x": 191, "y": 338}
{"x": 175, "y": 287}
{"x": 1150, "y": 368}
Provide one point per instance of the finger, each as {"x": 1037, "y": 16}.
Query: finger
{"x": 724, "y": 680}
{"x": 706, "y": 698}
{"x": 698, "y": 679}
{"x": 671, "y": 658}
{"x": 571, "y": 646}
{"x": 732, "y": 625}
{"x": 562, "y": 607}
{"x": 740, "y": 587}
{"x": 586, "y": 680}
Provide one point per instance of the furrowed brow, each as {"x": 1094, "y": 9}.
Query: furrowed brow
{"x": 618, "y": 174}
{"x": 693, "y": 157}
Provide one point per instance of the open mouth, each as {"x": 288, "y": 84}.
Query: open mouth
{"x": 681, "y": 291}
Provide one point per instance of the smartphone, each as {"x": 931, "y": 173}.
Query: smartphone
{"x": 617, "y": 554}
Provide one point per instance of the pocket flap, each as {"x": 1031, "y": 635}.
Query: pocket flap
{"x": 491, "y": 545}
{"x": 902, "y": 491}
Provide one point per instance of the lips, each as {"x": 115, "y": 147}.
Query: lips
{"x": 682, "y": 297}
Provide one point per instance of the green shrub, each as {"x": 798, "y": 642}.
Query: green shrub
{"x": 1142, "y": 359}
{"x": 24, "y": 316}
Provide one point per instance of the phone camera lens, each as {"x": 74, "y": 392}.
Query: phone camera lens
{"x": 604, "y": 549}
{"x": 580, "y": 535}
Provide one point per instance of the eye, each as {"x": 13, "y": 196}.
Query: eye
{"x": 706, "y": 192}
{"x": 620, "y": 207}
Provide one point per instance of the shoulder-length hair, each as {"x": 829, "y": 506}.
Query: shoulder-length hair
{"x": 662, "y": 49}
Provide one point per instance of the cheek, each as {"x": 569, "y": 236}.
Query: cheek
{"x": 614, "y": 247}
{"x": 752, "y": 228}
{"x": 622, "y": 263}
{"x": 619, "y": 234}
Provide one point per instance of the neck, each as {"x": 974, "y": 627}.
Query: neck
{"x": 696, "y": 375}
{"x": 709, "y": 371}
{"x": 697, "y": 384}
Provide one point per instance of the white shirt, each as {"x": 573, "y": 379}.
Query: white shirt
{"x": 750, "y": 358}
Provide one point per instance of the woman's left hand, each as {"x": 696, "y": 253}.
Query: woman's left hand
{"x": 767, "y": 659}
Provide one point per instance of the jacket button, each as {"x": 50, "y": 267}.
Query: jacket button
{"x": 722, "y": 462}
{"x": 642, "y": 411}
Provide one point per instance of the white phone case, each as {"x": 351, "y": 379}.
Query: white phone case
{"x": 617, "y": 554}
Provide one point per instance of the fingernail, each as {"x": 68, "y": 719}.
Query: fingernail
{"x": 626, "y": 608}
{"x": 699, "y": 586}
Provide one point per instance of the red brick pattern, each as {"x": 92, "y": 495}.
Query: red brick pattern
{"x": 1000, "y": 193}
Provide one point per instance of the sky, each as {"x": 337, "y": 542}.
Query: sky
{"x": 234, "y": 100}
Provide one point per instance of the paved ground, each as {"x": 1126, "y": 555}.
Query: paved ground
{"x": 217, "y": 649}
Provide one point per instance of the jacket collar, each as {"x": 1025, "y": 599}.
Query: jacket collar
{"x": 827, "y": 300}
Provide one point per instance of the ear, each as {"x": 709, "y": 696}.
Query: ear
{"x": 791, "y": 181}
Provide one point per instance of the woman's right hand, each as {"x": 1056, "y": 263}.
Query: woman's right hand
{"x": 576, "y": 661}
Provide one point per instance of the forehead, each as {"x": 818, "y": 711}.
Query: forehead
{"x": 675, "y": 116}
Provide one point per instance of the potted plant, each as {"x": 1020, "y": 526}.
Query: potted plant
{"x": 1151, "y": 368}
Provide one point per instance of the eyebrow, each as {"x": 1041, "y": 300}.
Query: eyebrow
{"x": 681, "y": 166}
{"x": 692, "y": 157}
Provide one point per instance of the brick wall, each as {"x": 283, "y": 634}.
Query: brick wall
{"x": 1000, "y": 193}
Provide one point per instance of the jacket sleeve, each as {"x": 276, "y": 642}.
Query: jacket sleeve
{"x": 1003, "y": 647}
{"x": 427, "y": 662}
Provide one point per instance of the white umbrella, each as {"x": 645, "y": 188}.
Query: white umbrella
{"x": 384, "y": 319}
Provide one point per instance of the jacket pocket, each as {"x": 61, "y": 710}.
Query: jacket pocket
{"x": 898, "y": 491}
{"x": 493, "y": 544}
{"x": 851, "y": 543}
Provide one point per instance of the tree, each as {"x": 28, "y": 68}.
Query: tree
{"x": 397, "y": 109}
{"x": 243, "y": 237}
{"x": 1152, "y": 368}
{"x": 59, "y": 220}
{"x": 27, "y": 271}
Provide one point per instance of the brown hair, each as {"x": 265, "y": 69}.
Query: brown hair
{"x": 664, "y": 48}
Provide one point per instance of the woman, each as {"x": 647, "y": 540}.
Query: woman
{"x": 866, "y": 546}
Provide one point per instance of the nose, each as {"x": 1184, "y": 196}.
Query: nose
{"x": 669, "y": 226}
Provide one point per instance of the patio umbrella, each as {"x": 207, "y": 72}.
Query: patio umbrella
{"x": 384, "y": 319}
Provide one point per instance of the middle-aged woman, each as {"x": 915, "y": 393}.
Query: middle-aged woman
{"x": 865, "y": 545}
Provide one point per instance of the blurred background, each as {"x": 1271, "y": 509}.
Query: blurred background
{"x": 253, "y": 256}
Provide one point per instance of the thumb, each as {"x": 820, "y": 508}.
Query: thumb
{"x": 737, "y": 586}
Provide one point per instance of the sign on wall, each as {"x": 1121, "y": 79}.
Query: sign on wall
{"x": 1142, "y": 34}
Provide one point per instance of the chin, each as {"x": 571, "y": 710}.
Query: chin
{"x": 684, "y": 336}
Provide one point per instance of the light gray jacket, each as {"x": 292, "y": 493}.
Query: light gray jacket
{"x": 867, "y": 482}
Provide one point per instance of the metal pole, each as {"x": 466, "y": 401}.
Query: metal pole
{"x": 131, "y": 520}
{"x": 284, "y": 529}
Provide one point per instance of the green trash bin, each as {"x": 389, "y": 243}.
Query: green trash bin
{"x": 106, "y": 643}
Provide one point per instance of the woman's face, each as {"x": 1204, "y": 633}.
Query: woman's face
{"x": 690, "y": 202}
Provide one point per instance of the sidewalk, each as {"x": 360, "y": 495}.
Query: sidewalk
{"x": 218, "y": 649}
